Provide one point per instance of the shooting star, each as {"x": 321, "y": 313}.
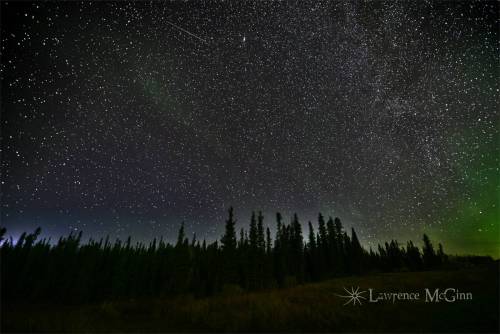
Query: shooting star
{"x": 187, "y": 32}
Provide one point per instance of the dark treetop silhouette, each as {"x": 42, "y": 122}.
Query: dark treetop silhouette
{"x": 98, "y": 270}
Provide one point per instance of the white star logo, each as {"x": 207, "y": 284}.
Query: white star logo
{"x": 353, "y": 296}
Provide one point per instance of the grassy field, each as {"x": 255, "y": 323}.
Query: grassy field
{"x": 307, "y": 308}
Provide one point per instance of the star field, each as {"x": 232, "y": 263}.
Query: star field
{"x": 128, "y": 118}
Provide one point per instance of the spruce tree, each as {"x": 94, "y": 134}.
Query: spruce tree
{"x": 443, "y": 258}
{"x": 297, "y": 248}
{"x": 332, "y": 246}
{"x": 269, "y": 242}
{"x": 181, "y": 236}
{"x": 429, "y": 255}
{"x": 311, "y": 259}
{"x": 356, "y": 253}
{"x": 253, "y": 234}
{"x": 228, "y": 240}
{"x": 261, "y": 241}
{"x": 312, "y": 238}
{"x": 323, "y": 239}
{"x": 241, "y": 242}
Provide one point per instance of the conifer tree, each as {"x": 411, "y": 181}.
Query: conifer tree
{"x": 323, "y": 239}
{"x": 441, "y": 256}
{"x": 297, "y": 248}
{"x": 312, "y": 238}
{"x": 260, "y": 232}
{"x": 279, "y": 249}
{"x": 312, "y": 259}
{"x": 254, "y": 234}
{"x": 180, "y": 237}
{"x": 104, "y": 269}
{"x": 356, "y": 253}
{"x": 269, "y": 242}
{"x": 241, "y": 242}
{"x": 413, "y": 260}
{"x": 228, "y": 240}
{"x": 429, "y": 255}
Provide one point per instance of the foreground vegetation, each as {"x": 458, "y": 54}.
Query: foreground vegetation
{"x": 70, "y": 271}
{"x": 250, "y": 283}
{"x": 312, "y": 307}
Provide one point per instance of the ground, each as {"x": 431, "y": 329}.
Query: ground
{"x": 307, "y": 308}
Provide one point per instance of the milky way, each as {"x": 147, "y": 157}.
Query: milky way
{"x": 129, "y": 118}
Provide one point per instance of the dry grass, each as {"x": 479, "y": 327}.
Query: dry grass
{"x": 308, "y": 308}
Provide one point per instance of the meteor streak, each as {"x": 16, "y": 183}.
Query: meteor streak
{"x": 187, "y": 32}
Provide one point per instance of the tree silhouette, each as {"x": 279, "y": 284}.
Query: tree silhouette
{"x": 228, "y": 240}
{"x": 269, "y": 242}
{"x": 429, "y": 255}
{"x": 356, "y": 254}
{"x": 254, "y": 234}
{"x": 261, "y": 244}
{"x": 69, "y": 270}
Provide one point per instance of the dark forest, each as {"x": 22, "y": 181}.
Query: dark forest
{"x": 70, "y": 271}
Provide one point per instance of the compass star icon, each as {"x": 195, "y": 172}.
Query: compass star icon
{"x": 353, "y": 296}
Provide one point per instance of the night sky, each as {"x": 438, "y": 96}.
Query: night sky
{"x": 129, "y": 118}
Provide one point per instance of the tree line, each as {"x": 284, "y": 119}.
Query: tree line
{"x": 34, "y": 269}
